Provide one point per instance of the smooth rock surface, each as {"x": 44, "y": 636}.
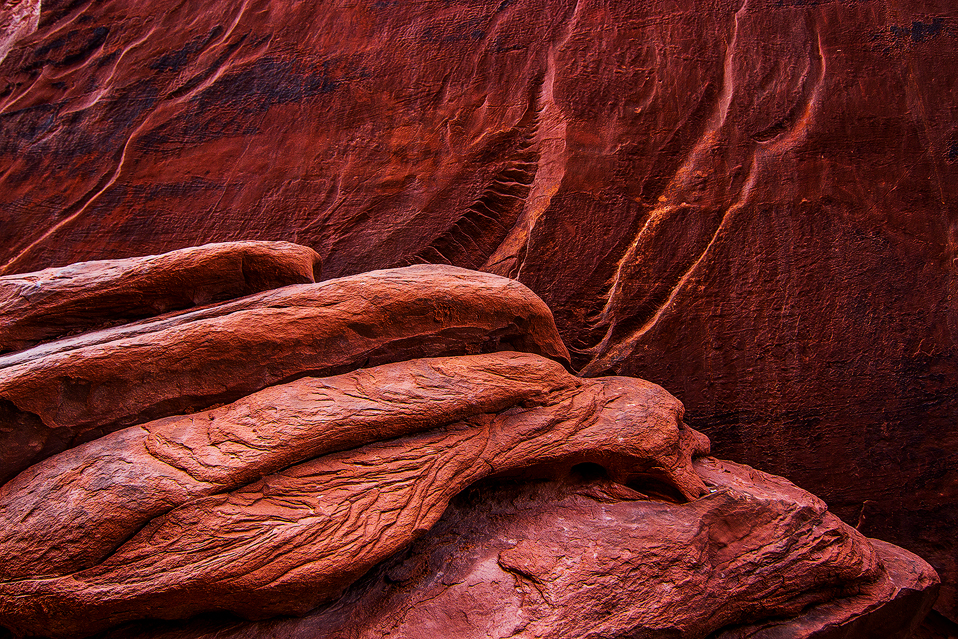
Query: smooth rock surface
{"x": 58, "y": 395}
{"x": 38, "y": 307}
{"x": 298, "y": 537}
{"x": 583, "y": 558}
{"x": 752, "y": 203}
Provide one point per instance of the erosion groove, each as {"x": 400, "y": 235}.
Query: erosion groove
{"x": 482, "y": 227}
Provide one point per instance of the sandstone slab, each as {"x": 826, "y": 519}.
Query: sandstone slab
{"x": 38, "y": 307}
{"x": 891, "y": 608}
{"x": 591, "y": 516}
{"x": 299, "y": 536}
{"x": 580, "y": 557}
{"x": 118, "y": 483}
{"x": 57, "y": 395}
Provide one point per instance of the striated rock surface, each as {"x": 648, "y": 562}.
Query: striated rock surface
{"x": 891, "y": 608}
{"x": 18, "y": 19}
{"x": 297, "y": 537}
{"x": 586, "y": 557}
{"x": 118, "y": 483}
{"x": 750, "y": 202}
{"x": 37, "y": 307}
{"x": 307, "y": 492}
{"x": 56, "y": 395}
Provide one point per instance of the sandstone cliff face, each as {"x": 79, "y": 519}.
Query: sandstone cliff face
{"x": 751, "y": 203}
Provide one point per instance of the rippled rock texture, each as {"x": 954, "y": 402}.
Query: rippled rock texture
{"x": 193, "y": 514}
{"x": 585, "y": 557}
{"x": 69, "y": 391}
{"x": 311, "y": 494}
{"x": 750, "y": 202}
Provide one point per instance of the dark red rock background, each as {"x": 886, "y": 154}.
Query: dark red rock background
{"x": 753, "y": 204}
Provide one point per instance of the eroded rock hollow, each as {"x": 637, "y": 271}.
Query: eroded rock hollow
{"x": 392, "y": 454}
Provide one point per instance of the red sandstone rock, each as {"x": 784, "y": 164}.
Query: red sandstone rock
{"x": 751, "y": 203}
{"x": 282, "y": 500}
{"x": 18, "y": 20}
{"x": 119, "y": 482}
{"x": 300, "y": 536}
{"x": 891, "y": 608}
{"x": 36, "y": 307}
{"x": 580, "y": 558}
{"x": 57, "y": 395}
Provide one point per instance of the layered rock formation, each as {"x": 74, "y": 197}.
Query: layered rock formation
{"x": 72, "y": 390}
{"x": 36, "y": 307}
{"x": 294, "y": 538}
{"x": 751, "y": 202}
{"x": 455, "y": 479}
{"x": 584, "y": 558}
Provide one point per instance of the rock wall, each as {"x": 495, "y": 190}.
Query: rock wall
{"x": 749, "y": 202}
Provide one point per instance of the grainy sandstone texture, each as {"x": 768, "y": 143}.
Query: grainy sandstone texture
{"x": 891, "y": 608}
{"x": 57, "y": 395}
{"x": 750, "y": 202}
{"x": 286, "y": 499}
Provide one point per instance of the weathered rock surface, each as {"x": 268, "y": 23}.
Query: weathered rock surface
{"x": 282, "y": 500}
{"x": 36, "y": 307}
{"x": 891, "y": 608}
{"x": 582, "y": 558}
{"x": 18, "y": 19}
{"x": 57, "y": 395}
{"x": 298, "y": 537}
{"x": 750, "y": 203}
{"x": 119, "y": 482}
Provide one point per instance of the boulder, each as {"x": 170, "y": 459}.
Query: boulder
{"x": 118, "y": 483}
{"x": 38, "y": 307}
{"x": 299, "y": 536}
{"x": 395, "y": 454}
{"x": 891, "y": 608}
{"x": 581, "y": 557}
